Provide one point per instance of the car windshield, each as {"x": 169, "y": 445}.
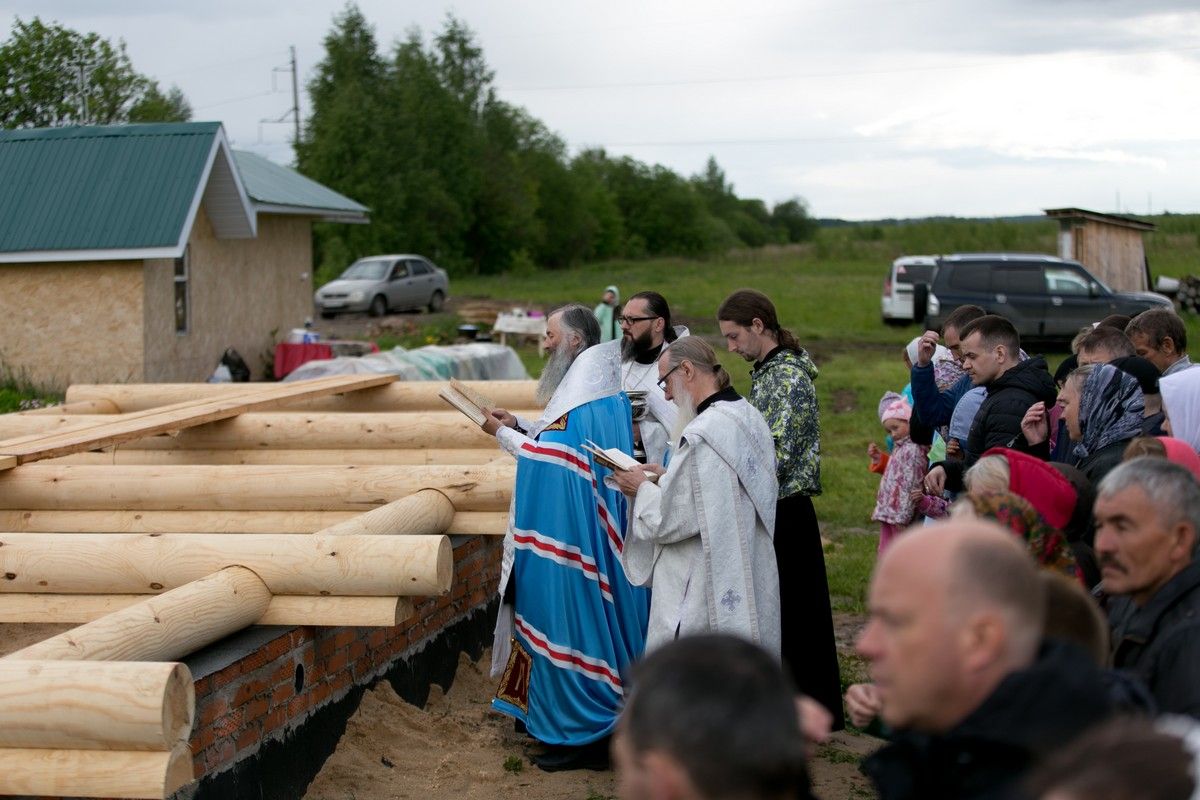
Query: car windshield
{"x": 366, "y": 271}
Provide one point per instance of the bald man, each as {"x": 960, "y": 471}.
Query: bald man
{"x": 959, "y": 669}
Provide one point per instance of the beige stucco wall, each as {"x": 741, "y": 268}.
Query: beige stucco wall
{"x": 245, "y": 294}
{"x": 64, "y": 323}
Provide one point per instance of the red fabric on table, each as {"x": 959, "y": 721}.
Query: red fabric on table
{"x": 289, "y": 356}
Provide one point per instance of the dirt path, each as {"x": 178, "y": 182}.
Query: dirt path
{"x": 456, "y": 747}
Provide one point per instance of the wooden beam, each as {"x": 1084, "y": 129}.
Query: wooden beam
{"x": 125, "y": 454}
{"x": 426, "y": 512}
{"x": 360, "y": 612}
{"x": 250, "y": 488}
{"x": 94, "y": 773}
{"x": 103, "y": 706}
{"x": 140, "y": 563}
{"x": 483, "y": 523}
{"x": 181, "y": 415}
{"x": 165, "y": 627}
{"x": 7, "y": 462}
{"x": 398, "y": 396}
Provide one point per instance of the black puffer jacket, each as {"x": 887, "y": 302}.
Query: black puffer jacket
{"x": 1160, "y": 642}
{"x": 998, "y": 421}
{"x": 1031, "y": 712}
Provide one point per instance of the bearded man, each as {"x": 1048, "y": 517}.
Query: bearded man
{"x": 570, "y": 623}
{"x": 646, "y": 329}
{"x": 702, "y": 535}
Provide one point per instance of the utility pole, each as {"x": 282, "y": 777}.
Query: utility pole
{"x": 82, "y": 66}
{"x": 295, "y": 98}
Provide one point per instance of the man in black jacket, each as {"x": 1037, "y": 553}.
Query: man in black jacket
{"x": 991, "y": 355}
{"x": 1147, "y": 520}
{"x": 955, "y": 645}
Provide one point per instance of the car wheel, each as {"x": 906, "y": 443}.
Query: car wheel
{"x": 378, "y": 306}
{"x": 327, "y": 315}
{"x": 437, "y": 300}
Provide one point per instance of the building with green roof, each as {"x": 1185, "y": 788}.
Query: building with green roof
{"x": 137, "y": 253}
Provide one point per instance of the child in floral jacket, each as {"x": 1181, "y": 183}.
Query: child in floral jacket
{"x": 900, "y": 490}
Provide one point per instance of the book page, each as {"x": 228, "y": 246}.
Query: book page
{"x": 463, "y": 404}
{"x": 480, "y": 400}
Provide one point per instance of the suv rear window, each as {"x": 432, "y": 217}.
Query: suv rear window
{"x": 914, "y": 273}
{"x": 971, "y": 277}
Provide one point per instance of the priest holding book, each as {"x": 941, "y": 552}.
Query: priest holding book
{"x": 702, "y": 535}
{"x": 570, "y": 623}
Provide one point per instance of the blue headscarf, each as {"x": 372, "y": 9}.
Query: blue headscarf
{"x": 1111, "y": 407}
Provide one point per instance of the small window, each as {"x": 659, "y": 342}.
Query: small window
{"x": 1018, "y": 279}
{"x": 182, "y": 299}
{"x": 399, "y": 271}
{"x": 1063, "y": 281}
{"x": 970, "y": 277}
{"x": 914, "y": 273}
{"x": 419, "y": 267}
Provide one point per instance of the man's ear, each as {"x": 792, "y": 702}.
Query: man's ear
{"x": 667, "y": 778}
{"x": 983, "y": 639}
{"x": 1167, "y": 345}
{"x": 757, "y": 326}
{"x": 1183, "y": 540}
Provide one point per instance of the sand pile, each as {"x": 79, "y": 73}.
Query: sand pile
{"x": 455, "y": 747}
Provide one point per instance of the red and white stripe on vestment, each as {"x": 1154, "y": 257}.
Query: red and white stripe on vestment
{"x": 568, "y": 555}
{"x": 567, "y": 658}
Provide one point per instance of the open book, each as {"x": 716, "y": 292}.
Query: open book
{"x": 614, "y": 459}
{"x": 474, "y": 405}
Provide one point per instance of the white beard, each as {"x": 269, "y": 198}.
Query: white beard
{"x": 554, "y": 372}
{"x": 687, "y": 413}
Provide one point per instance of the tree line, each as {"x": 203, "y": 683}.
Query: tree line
{"x": 451, "y": 171}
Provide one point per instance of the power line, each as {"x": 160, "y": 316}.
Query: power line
{"x": 274, "y": 54}
{"x": 235, "y": 100}
{"x": 840, "y": 74}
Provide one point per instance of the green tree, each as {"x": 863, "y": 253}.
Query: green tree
{"x": 791, "y": 217}
{"x": 52, "y": 76}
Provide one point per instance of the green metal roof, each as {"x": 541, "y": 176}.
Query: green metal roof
{"x": 131, "y": 191}
{"x": 96, "y": 188}
{"x": 270, "y": 184}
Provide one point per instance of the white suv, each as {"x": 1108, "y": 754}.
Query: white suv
{"x": 897, "y": 301}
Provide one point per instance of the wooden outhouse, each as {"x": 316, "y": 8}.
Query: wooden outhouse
{"x": 1110, "y": 246}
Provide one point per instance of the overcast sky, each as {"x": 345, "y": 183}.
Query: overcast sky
{"x": 866, "y": 108}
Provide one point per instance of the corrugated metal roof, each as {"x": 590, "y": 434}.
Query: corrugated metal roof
{"x": 98, "y": 188}
{"x": 269, "y": 183}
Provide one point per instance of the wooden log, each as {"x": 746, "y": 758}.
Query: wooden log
{"x": 270, "y": 431}
{"x": 104, "y": 706}
{"x": 425, "y": 457}
{"x": 165, "y": 627}
{"x": 481, "y": 523}
{"x": 82, "y": 407}
{"x": 94, "y": 773}
{"x": 398, "y": 396}
{"x": 250, "y": 488}
{"x": 141, "y": 563}
{"x": 426, "y": 512}
{"x": 184, "y": 414}
{"x": 360, "y": 612}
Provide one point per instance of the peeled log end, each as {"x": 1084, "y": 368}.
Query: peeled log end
{"x": 94, "y": 773}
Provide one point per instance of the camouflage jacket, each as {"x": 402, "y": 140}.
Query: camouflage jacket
{"x": 781, "y": 387}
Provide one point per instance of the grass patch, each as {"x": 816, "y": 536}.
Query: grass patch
{"x": 849, "y": 559}
{"x": 17, "y": 393}
{"x": 513, "y": 764}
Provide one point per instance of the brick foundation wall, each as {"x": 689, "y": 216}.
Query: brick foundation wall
{"x": 270, "y": 692}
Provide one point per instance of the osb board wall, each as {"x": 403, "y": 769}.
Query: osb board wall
{"x": 1114, "y": 255}
{"x": 64, "y": 322}
{"x": 241, "y": 290}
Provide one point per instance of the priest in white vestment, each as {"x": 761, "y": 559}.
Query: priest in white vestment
{"x": 702, "y": 535}
{"x": 645, "y": 330}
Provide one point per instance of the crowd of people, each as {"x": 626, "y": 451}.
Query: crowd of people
{"x": 1035, "y": 600}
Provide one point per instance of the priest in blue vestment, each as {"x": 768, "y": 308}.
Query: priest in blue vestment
{"x": 570, "y": 623}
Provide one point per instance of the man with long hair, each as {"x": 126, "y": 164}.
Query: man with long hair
{"x": 781, "y": 387}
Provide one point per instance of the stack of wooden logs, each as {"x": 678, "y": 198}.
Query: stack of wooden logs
{"x": 167, "y": 517}
{"x": 1188, "y": 295}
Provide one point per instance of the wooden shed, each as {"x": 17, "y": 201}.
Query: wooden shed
{"x": 139, "y": 253}
{"x": 1110, "y": 246}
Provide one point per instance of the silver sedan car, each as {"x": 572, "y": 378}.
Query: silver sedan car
{"x": 379, "y": 284}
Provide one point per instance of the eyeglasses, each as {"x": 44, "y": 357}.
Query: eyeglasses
{"x": 662, "y": 382}
{"x": 623, "y": 320}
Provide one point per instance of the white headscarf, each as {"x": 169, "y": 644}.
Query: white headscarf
{"x": 1181, "y": 401}
{"x": 940, "y": 353}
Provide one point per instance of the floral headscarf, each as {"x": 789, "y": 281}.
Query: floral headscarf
{"x": 1111, "y": 408}
{"x": 1047, "y": 544}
